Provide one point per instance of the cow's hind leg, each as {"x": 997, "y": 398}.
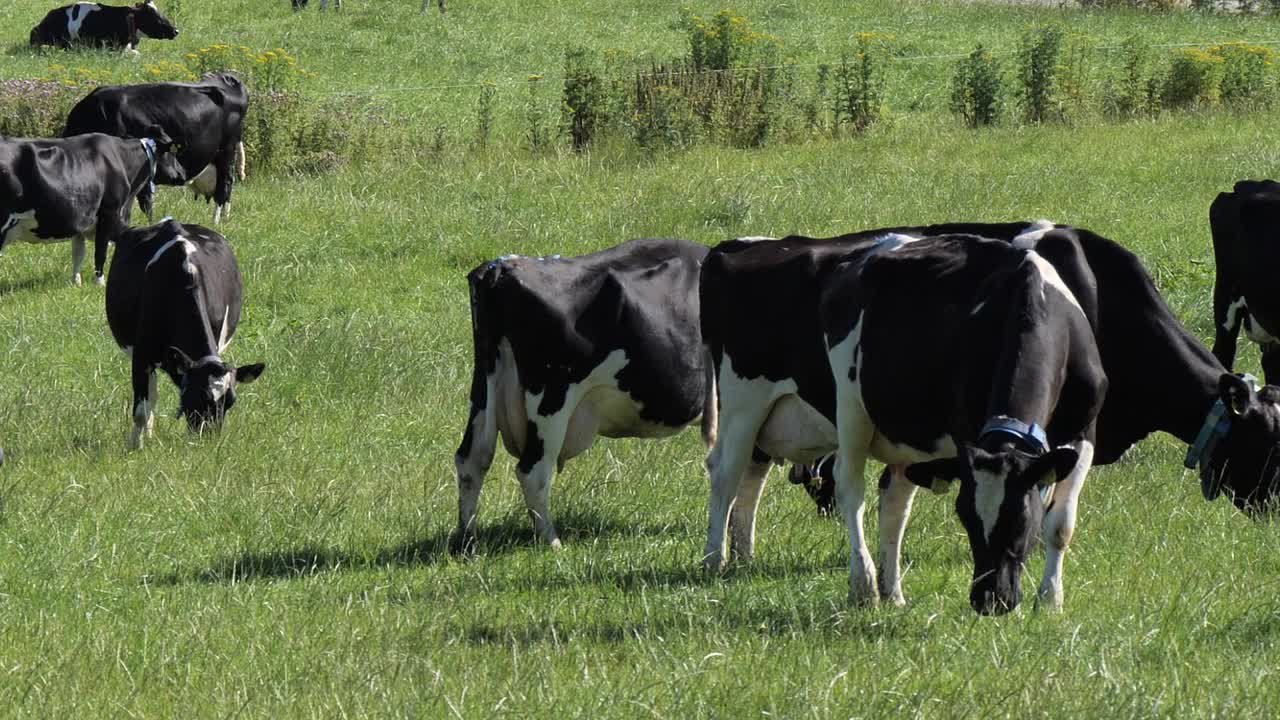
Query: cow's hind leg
{"x": 1059, "y": 524}
{"x": 855, "y": 432}
{"x": 726, "y": 463}
{"x": 896, "y": 494}
{"x": 543, "y": 441}
{"x": 222, "y": 165}
{"x": 472, "y": 462}
{"x": 77, "y": 258}
{"x": 742, "y": 520}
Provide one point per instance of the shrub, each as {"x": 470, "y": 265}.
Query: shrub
{"x": 584, "y": 99}
{"x": 725, "y": 41}
{"x": 664, "y": 117}
{"x": 1244, "y": 71}
{"x": 484, "y": 114}
{"x": 268, "y": 70}
{"x": 1195, "y": 78}
{"x": 1135, "y": 90}
{"x": 1038, "y": 52}
{"x": 35, "y": 108}
{"x": 860, "y": 82}
{"x": 535, "y": 115}
{"x": 976, "y": 88}
{"x": 1075, "y": 76}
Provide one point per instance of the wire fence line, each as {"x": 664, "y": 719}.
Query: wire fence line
{"x": 539, "y": 77}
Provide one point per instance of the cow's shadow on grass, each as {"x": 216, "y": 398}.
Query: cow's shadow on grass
{"x": 512, "y": 533}
{"x": 40, "y": 282}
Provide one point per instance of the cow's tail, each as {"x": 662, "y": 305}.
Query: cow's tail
{"x": 482, "y": 283}
{"x": 240, "y": 160}
{"x": 710, "y": 401}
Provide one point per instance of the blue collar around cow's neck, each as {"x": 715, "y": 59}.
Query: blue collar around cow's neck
{"x": 1030, "y": 435}
{"x": 1216, "y": 426}
{"x": 149, "y": 147}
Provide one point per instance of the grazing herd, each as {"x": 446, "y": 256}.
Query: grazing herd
{"x": 1002, "y": 361}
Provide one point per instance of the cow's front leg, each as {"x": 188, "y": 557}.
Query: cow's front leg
{"x": 1059, "y": 524}
{"x": 144, "y": 403}
{"x": 222, "y": 184}
{"x": 77, "y": 258}
{"x": 896, "y": 494}
{"x": 543, "y": 440}
{"x": 472, "y": 462}
{"x": 742, "y": 518}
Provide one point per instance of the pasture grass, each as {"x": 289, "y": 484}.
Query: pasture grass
{"x": 295, "y": 564}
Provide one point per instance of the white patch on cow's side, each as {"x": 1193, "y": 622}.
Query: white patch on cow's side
{"x": 76, "y": 15}
{"x": 1233, "y": 313}
{"x": 1027, "y": 239}
{"x": 1052, "y": 278}
{"x": 754, "y": 238}
{"x": 892, "y": 242}
{"x": 223, "y": 339}
{"x": 988, "y": 496}
{"x": 205, "y": 182}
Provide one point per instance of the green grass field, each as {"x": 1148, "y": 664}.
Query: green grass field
{"x": 295, "y": 564}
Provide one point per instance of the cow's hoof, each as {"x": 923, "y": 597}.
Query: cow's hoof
{"x": 863, "y": 600}
{"x": 713, "y": 563}
{"x": 76, "y": 281}
{"x": 463, "y": 544}
{"x": 100, "y": 280}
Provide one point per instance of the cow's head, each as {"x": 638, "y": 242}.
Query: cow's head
{"x": 1244, "y": 461}
{"x": 152, "y": 23}
{"x": 208, "y": 387}
{"x": 1001, "y": 510}
{"x": 816, "y": 479}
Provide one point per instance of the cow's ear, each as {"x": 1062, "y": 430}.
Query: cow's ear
{"x": 1235, "y": 392}
{"x": 249, "y": 373}
{"x": 937, "y": 476}
{"x": 178, "y": 360}
{"x": 1059, "y": 462}
{"x": 218, "y": 97}
{"x": 157, "y": 133}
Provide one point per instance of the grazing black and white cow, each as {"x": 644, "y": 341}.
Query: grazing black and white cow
{"x": 173, "y": 302}
{"x": 776, "y": 395}
{"x": 67, "y": 189}
{"x": 1246, "y": 250}
{"x": 972, "y": 359}
{"x": 103, "y": 26}
{"x": 570, "y": 348}
{"x": 205, "y": 120}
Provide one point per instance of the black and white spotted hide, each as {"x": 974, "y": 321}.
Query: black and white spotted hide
{"x": 568, "y": 349}
{"x": 174, "y": 297}
{"x": 98, "y": 25}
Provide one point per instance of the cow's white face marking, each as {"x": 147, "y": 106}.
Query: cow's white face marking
{"x": 988, "y": 496}
{"x": 1027, "y": 239}
{"x": 219, "y": 386}
{"x": 76, "y": 15}
{"x": 1233, "y": 313}
{"x": 1052, "y": 278}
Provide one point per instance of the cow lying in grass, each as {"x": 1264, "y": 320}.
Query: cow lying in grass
{"x": 570, "y": 348}
{"x": 98, "y": 25}
{"x": 173, "y": 303}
